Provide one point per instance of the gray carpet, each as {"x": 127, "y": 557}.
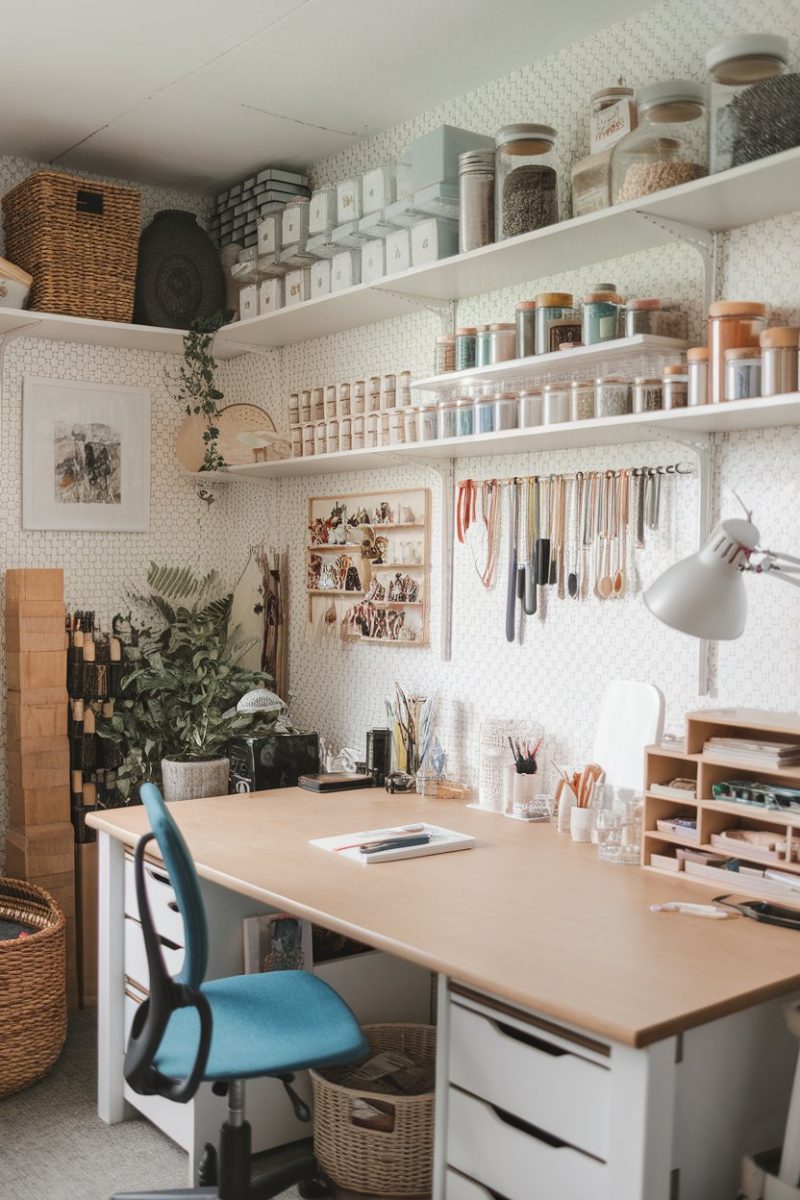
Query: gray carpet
{"x": 53, "y": 1145}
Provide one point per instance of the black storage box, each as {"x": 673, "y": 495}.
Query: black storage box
{"x": 274, "y": 761}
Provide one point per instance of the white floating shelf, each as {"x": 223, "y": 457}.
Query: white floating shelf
{"x": 100, "y": 333}
{"x": 736, "y": 416}
{"x": 521, "y": 372}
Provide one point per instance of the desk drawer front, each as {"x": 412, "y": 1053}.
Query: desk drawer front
{"x": 527, "y": 1074}
{"x": 136, "y": 958}
{"x": 516, "y": 1162}
{"x": 163, "y": 904}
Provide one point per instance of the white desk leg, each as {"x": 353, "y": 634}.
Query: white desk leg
{"x": 442, "y": 1084}
{"x": 111, "y": 1104}
{"x": 642, "y": 1116}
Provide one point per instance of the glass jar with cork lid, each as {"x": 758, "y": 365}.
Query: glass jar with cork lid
{"x": 731, "y": 324}
{"x": 751, "y": 99}
{"x": 668, "y": 147}
{"x": 779, "y": 360}
{"x": 525, "y": 180}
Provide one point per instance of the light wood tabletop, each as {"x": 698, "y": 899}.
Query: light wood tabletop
{"x": 526, "y": 915}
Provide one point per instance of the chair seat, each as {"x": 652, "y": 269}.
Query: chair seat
{"x": 267, "y": 1024}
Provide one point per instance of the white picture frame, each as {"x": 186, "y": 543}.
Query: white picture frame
{"x": 85, "y": 456}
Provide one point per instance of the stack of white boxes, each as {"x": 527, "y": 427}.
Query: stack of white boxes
{"x": 239, "y": 209}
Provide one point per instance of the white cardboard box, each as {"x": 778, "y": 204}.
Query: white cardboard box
{"x": 269, "y": 233}
{"x": 321, "y": 278}
{"x": 432, "y": 239}
{"x": 322, "y": 211}
{"x": 373, "y": 261}
{"x": 297, "y": 287}
{"x": 379, "y": 188}
{"x": 294, "y": 223}
{"x": 398, "y": 251}
{"x": 248, "y": 301}
{"x": 345, "y": 270}
{"x": 270, "y": 296}
{"x": 348, "y": 200}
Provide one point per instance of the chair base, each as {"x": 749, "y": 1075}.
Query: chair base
{"x": 304, "y": 1172}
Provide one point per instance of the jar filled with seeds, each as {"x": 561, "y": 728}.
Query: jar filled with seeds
{"x": 742, "y": 372}
{"x": 779, "y": 361}
{"x": 754, "y": 103}
{"x": 296, "y": 437}
{"x": 648, "y": 394}
{"x": 346, "y": 433}
{"x": 526, "y": 180}
{"x": 374, "y": 397}
{"x": 526, "y": 328}
{"x": 476, "y": 170}
{"x": 555, "y": 403}
{"x": 603, "y": 317}
{"x": 668, "y": 147}
{"x": 294, "y": 408}
{"x": 332, "y": 438}
{"x": 697, "y": 370}
{"x": 344, "y": 400}
{"x": 445, "y": 354}
{"x": 389, "y": 391}
{"x": 659, "y": 317}
{"x": 483, "y": 346}
{"x": 557, "y": 321}
{"x": 502, "y": 342}
{"x": 427, "y": 423}
{"x": 404, "y": 393}
{"x": 484, "y": 414}
{"x": 357, "y": 432}
{"x": 612, "y": 396}
{"x": 465, "y": 416}
{"x": 465, "y": 348}
{"x": 530, "y": 409}
{"x": 371, "y": 430}
{"x": 448, "y": 425}
{"x": 410, "y": 424}
{"x": 330, "y": 401}
{"x": 506, "y": 411}
{"x": 318, "y": 404}
{"x": 358, "y": 401}
{"x": 397, "y": 427}
{"x": 581, "y": 400}
{"x": 676, "y": 386}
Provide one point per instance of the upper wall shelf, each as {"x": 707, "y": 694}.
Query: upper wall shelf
{"x": 99, "y": 333}
{"x": 755, "y": 192}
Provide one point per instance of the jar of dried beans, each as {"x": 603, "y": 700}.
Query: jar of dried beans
{"x": 668, "y": 147}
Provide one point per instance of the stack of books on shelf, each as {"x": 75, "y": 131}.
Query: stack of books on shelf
{"x": 757, "y": 754}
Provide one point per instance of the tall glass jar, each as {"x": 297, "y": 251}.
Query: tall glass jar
{"x": 556, "y": 321}
{"x": 731, "y": 323}
{"x": 410, "y": 422}
{"x": 779, "y": 360}
{"x": 465, "y": 348}
{"x": 603, "y": 317}
{"x": 612, "y": 396}
{"x": 448, "y": 424}
{"x": 476, "y": 169}
{"x": 445, "y": 354}
{"x": 427, "y": 423}
{"x": 526, "y": 180}
{"x": 581, "y": 400}
{"x": 502, "y": 342}
{"x": 526, "y": 328}
{"x": 530, "y": 409}
{"x": 751, "y": 98}
{"x": 742, "y": 373}
{"x": 676, "y": 386}
{"x": 648, "y": 394}
{"x": 358, "y": 403}
{"x": 465, "y": 416}
{"x": 555, "y": 403}
{"x": 344, "y": 400}
{"x": 483, "y": 346}
{"x": 484, "y": 414}
{"x": 668, "y": 147}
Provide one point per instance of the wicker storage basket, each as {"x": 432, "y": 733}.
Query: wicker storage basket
{"x": 33, "y": 986}
{"x": 398, "y": 1162}
{"x": 79, "y": 240}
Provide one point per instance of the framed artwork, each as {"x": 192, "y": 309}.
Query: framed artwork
{"x": 85, "y": 456}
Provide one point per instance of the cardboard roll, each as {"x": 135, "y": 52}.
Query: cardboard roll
{"x": 235, "y": 420}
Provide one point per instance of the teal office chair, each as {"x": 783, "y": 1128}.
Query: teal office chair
{"x": 226, "y": 1031}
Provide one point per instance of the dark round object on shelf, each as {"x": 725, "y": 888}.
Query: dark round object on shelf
{"x": 179, "y": 278}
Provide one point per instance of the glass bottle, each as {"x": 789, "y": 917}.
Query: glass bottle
{"x": 476, "y": 171}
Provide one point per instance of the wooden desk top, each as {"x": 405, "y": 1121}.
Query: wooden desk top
{"x": 527, "y": 915}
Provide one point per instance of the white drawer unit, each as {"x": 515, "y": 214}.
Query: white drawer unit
{"x": 545, "y": 1076}
{"x": 136, "y": 958}
{"x": 163, "y": 904}
{"x": 514, "y": 1158}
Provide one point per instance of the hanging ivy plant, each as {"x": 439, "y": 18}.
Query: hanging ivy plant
{"x": 195, "y": 381}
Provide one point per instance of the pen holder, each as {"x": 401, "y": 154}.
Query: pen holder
{"x": 566, "y": 800}
{"x": 519, "y": 791}
{"x": 580, "y": 823}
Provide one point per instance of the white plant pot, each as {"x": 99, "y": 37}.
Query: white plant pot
{"x": 194, "y": 779}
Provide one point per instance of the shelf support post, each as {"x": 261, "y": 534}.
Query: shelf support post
{"x": 704, "y": 241}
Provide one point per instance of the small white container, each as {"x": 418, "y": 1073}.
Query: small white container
{"x": 269, "y": 233}
{"x": 321, "y": 278}
{"x": 432, "y": 239}
{"x": 379, "y": 188}
{"x": 298, "y": 287}
{"x": 373, "y": 261}
{"x": 506, "y": 411}
{"x": 580, "y": 824}
{"x": 438, "y": 200}
{"x": 398, "y": 251}
{"x": 530, "y": 409}
{"x": 348, "y": 200}
{"x": 294, "y": 224}
{"x": 322, "y": 210}
{"x": 427, "y": 423}
{"x": 270, "y": 296}
{"x": 305, "y": 406}
{"x": 555, "y": 404}
{"x": 345, "y": 270}
{"x": 248, "y": 302}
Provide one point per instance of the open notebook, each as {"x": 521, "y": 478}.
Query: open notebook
{"x": 442, "y": 841}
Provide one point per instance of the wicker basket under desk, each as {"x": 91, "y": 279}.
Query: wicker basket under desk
{"x": 79, "y": 239}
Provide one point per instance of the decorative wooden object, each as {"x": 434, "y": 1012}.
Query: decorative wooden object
{"x": 714, "y": 817}
{"x": 361, "y": 550}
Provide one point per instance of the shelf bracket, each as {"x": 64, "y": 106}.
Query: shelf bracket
{"x": 703, "y": 446}
{"x": 445, "y": 310}
{"x": 704, "y": 241}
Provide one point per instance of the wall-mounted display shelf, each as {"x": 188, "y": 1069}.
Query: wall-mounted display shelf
{"x": 583, "y": 361}
{"x": 119, "y": 334}
{"x": 734, "y": 417}
{"x": 756, "y": 191}
{"x": 718, "y": 851}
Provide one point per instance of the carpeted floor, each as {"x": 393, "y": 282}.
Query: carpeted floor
{"x": 53, "y": 1145}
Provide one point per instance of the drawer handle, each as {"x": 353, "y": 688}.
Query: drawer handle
{"x": 487, "y": 1191}
{"x": 530, "y": 1040}
{"x": 158, "y": 876}
{"x": 172, "y": 904}
{"x": 168, "y": 944}
{"x": 524, "y": 1127}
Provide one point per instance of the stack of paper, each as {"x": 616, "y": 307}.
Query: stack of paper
{"x": 759, "y": 754}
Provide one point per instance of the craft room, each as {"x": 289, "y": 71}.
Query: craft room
{"x": 400, "y": 693}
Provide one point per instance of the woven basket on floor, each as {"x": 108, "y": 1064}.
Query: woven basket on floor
{"x": 33, "y": 986}
{"x": 398, "y": 1162}
{"x": 79, "y": 239}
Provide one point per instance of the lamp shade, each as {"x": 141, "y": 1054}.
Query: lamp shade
{"x": 704, "y": 595}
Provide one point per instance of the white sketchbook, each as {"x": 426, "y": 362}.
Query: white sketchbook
{"x": 345, "y": 845}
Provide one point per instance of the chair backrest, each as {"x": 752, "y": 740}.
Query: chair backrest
{"x": 183, "y": 878}
{"x": 631, "y": 717}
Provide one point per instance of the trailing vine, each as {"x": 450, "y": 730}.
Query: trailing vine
{"x": 196, "y": 384}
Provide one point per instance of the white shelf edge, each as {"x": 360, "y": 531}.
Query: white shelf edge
{"x": 90, "y": 331}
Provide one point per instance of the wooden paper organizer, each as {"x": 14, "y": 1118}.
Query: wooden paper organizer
{"x": 659, "y": 849}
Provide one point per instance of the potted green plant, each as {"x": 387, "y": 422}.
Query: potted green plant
{"x": 179, "y": 708}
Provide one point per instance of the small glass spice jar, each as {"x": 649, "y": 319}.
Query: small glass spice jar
{"x": 344, "y": 400}
{"x": 525, "y": 180}
{"x": 389, "y": 391}
{"x": 530, "y": 409}
{"x": 384, "y": 432}
{"x": 779, "y": 361}
{"x": 697, "y": 370}
{"x": 502, "y": 342}
{"x": 581, "y": 400}
{"x": 651, "y": 315}
{"x": 465, "y": 416}
{"x": 448, "y": 425}
{"x": 484, "y": 414}
{"x": 557, "y": 321}
{"x": 648, "y": 394}
{"x": 309, "y": 439}
{"x": 612, "y": 396}
{"x": 318, "y": 404}
{"x": 483, "y": 346}
{"x": 410, "y": 424}
{"x": 555, "y": 403}
{"x": 397, "y": 427}
{"x": 603, "y": 317}
{"x": 371, "y": 430}
{"x": 465, "y": 348}
{"x": 357, "y": 431}
{"x": 526, "y": 328}
{"x": 676, "y": 386}
{"x": 742, "y": 372}
{"x": 296, "y": 438}
{"x": 506, "y": 411}
{"x": 330, "y": 401}
{"x": 346, "y": 433}
{"x": 427, "y": 423}
{"x": 294, "y": 408}
{"x": 404, "y": 393}
{"x": 305, "y": 405}
{"x": 476, "y": 170}
{"x": 320, "y": 437}
{"x": 332, "y": 436}
{"x": 731, "y": 324}
{"x": 374, "y": 399}
{"x": 445, "y": 354}
{"x": 358, "y": 402}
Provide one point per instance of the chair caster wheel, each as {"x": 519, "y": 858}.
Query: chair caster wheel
{"x": 207, "y": 1171}
{"x": 319, "y": 1185}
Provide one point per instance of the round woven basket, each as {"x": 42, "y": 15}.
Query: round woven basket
{"x": 33, "y": 986}
{"x": 396, "y": 1161}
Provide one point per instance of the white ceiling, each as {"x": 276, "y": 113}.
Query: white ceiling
{"x": 197, "y": 93}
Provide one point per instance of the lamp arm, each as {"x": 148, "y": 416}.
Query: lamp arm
{"x": 769, "y": 562}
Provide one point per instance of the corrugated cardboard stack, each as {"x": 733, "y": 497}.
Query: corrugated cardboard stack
{"x": 40, "y": 844}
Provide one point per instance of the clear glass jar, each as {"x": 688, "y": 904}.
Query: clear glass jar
{"x": 581, "y": 400}
{"x": 731, "y": 323}
{"x": 404, "y": 394}
{"x": 389, "y": 391}
{"x": 445, "y": 354}
{"x": 526, "y": 181}
{"x": 668, "y": 147}
{"x": 332, "y": 435}
{"x": 296, "y": 439}
{"x": 344, "y": 400}
{"x": 750, "y": 99}
{"x": 676, "y": 386}
{"x": 526, "y": 328}
{"x": 742, "y": 373}
{"x": 345, "y": 434}
{"x": 557, "y": 321}
{"x": 427, "y": 423}
{"x": 320, "y": 437}
{"x": 779, "y": 360}
{"x": 465, "y": 348}
{"x": 374, "y": 398}
{"x": 465, "y": 416}
{"x": 655, "y": 316}
{"x": 697, "y": 370}
{"x": 372, "y": 424}
{"x": 648, "y": 394}
{"x": 305, "y": 405}
{"x": 506, "y": 411}
{"x": 484, "y": 414}
{"x": 397, "y": 427}
{"x": 530, "y": 409}
{"x": 502, "y": 342}
{"x": 612, "y": 114}
{"x": 384, "y": 432}
{"x": 330, "y": 401}
{"x": 358, "y": 401}
{"x": 555, "y": 404}
{"x": 294, "y": 408}
{"x": 309, "y": 439}
{"x": 603, "y": 317}
{"x": 318, "y": 404}
{"x": 483, "y": 347}
{"x": 612, "y": 396}
{"x": 448, "y": 424}
{"x": 410, "y": 424}
{"x": 357, "y": 432}
{"x": 476, "y": 170}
